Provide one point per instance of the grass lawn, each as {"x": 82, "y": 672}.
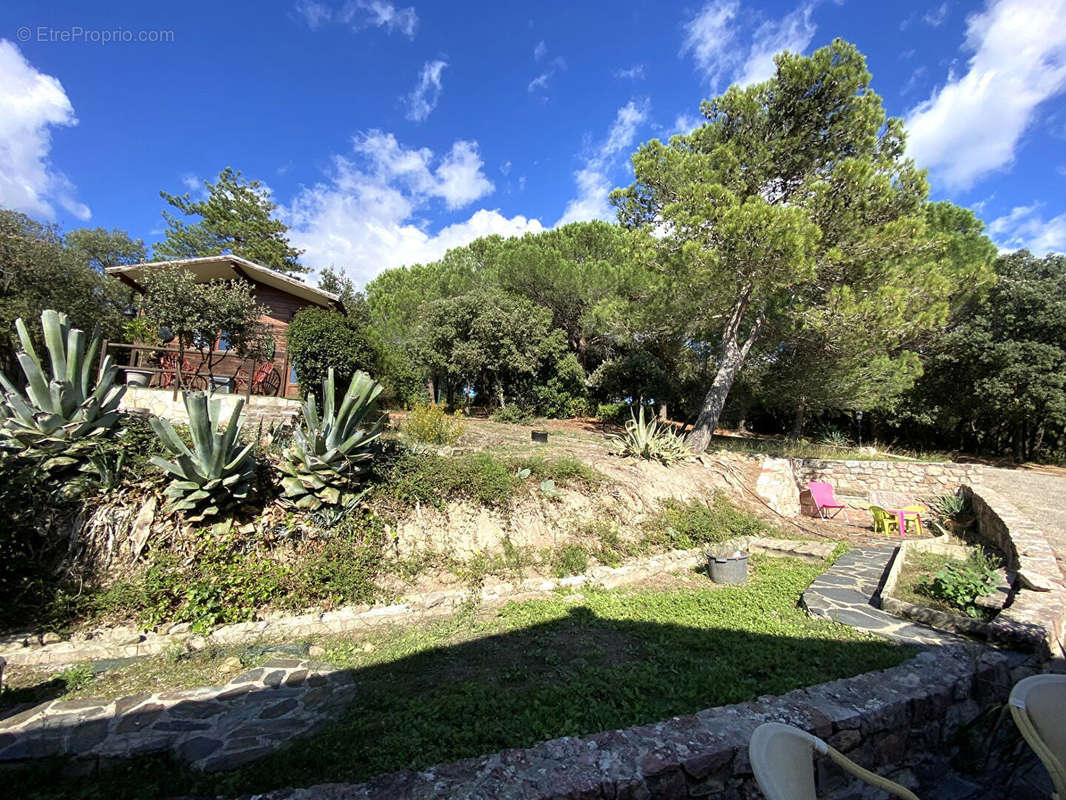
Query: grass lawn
{"x": 535, "y": 670}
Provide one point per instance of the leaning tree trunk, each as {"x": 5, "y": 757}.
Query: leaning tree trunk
{"x": 799, "y": 418}
{"x": 431, "y": 387}
{"x": 732, "y": 359}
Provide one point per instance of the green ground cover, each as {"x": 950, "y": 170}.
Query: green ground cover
{"x": 535, "y": 670}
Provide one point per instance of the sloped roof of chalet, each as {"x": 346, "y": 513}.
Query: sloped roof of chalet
{"x": 228, "y": 267}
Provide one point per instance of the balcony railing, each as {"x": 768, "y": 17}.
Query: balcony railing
{"x": 194, "y": 369}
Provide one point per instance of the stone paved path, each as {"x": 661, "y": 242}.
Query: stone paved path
{"x": 1039, "y": 496}
{"x": 844, "y": 593}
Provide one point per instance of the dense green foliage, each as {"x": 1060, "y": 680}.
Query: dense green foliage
{"x": 536, "y": 670}
{"x": 236, "y": 217}
{"x": 947, "y": 583}
{"x": 201, "y": 315}
{"x": 319, "y": 340}
{"x": 995, "y": 378}
{"x": 793, "y": 211}
{"x": 40, "y": 268}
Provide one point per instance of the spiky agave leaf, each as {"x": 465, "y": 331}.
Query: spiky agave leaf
{"x": 329, "y": 451}
{"x": 57, "y": 412}
{"x": 650, "y": 440}
{"x": 213, "y": 474}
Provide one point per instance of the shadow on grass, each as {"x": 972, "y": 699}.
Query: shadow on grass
{"x": 569, "y": 671}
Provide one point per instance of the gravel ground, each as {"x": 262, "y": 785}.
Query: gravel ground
{"x": 1039, "y": 495}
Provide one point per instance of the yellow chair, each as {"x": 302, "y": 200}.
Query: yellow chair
{"x": 1038, "y": 705}
{"x": 782, "y": 758}
{"x": 884, "y": 522}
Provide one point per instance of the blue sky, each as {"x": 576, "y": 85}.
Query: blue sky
{"x": 389, "y": 132}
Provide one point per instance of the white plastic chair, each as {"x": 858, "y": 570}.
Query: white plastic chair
{"x": 782, "y": 757}
{"x": 1038, "y": 705}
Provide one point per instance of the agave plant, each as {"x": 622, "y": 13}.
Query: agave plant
{"x": 58, "y": 413}
{"x": 328, "y": 452}
{"x": 216, "y": 471}
{"x": 650, "y": 440}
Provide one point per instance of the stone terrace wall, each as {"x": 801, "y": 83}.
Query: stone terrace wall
{"x": 1038, "y": 611}
{"x": 862, "y": 477}
{"x": 899, "y": 722}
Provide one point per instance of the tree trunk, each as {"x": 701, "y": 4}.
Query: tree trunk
{"x": 663, "y": 416}
{"x": 732, "y": 359}
{"x": 431, "y": 387}
{"x": 799, "y": 418}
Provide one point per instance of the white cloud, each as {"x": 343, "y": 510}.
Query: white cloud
{"x": 505, "y": 167}
{"x": 1026, "y": 227}
{"x": 972, "y": 125}
{"x": 539, "y": 83}
{"x": 359, "y": 14}
{"x": 364, "y": 218}
{"x": 634, "y": 73}
{"x": 718, "y": 39}
{"x": 540, "y": 51}
{"x": 793, "y": 32}
{"x": 423, "y": 98}
{"x": 593, "y": 182}
{"x": 710, "y": 37}
{"x": 314, "y": 14}
{"x": 936, "y": 15}
{"x": 32, "y": 102}
{"x": 686, "y": 123}
{"x": 912, "y": 81}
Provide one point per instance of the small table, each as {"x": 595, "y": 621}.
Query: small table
{"x": 901, "y": 515}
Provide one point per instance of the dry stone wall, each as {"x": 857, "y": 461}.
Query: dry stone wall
{"x": 1038, "y": 611}
{"x": 859, "y": 478}
{"x": 899, "y": 722}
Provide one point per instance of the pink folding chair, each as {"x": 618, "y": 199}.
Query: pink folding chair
{"x": 825, "y": 500}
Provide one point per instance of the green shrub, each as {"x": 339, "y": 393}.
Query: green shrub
{"x": 226, "y": 583}
{"x": 318, "y": 340}
{"x": 512, "y": 413}
{"x": 570, "y": 559}
{"x": 615, "y": 413}
{"x": 344, "y": 570}
{"x": 606, "y": 544}
{"x": 564, "y": 471}
{"x": 560, "y": 391}
{"x": 960, "y": 583}
{"x": 686, "y": 525}
{"x": 434, "y": 480}
{"x": 431, "y": 424}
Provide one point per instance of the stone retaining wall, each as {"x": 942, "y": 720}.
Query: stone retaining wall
{"x": 898, "y": 722}
{"x": 162, "y": 403}
{"x": 1038, "y": 611}
{"x": 861, "y": 477}
{"x": 212, "y": 728}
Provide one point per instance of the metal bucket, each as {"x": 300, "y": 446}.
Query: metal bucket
{"x": 728, "y": 569}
